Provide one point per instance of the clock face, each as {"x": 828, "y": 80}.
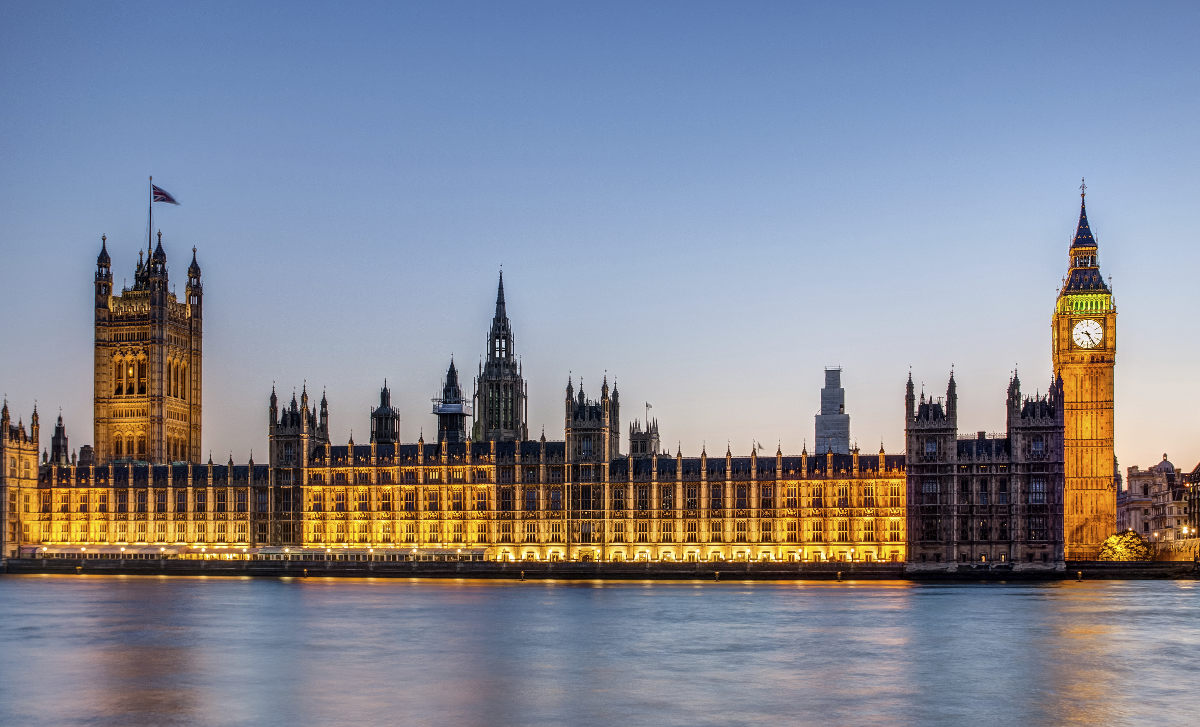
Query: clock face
{"x": 1087, "y": 333}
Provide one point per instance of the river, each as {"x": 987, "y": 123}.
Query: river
{"x": 136, "y": 650}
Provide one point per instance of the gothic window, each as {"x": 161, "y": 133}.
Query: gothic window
{"x": 793, "y": 531}
{"x": 930, "y": 447}
{"x": 385, "y": 499}
{"x": 432, "y": 501}
{"x": 240, "y": 500}
{"x": 740, "y": 531}
{"x": 984, "y": 531}
{"x": 117, "y": 453}
{"x": 816, "y": 531}
{"x": 142, "y": 446}
{"x": 843, "y": 496}
{"x": 339, "y": 501}
{"x": 843, "y": 530}
{"x": 791, "y": 496}
{"x": 983, "y": 492}
{"x": 222, "y": 500}
{"x": 531, "y": 499}
{"x": 742, "y": 497}
{"x": 765, "y": 533}
{"x": 642, "y": 495}
{"x": 160, "y": 501}
{"x": 1002, "y": 491}
{"x": 691, "y": 531}
{"x": 642, "y": 531}
{"x": 869, "y": 495}
{"x": 556, "y": 500}
{"x": 666, "y": 497}
{"x": 715, "y": 496}
{"x": 667, "y": 531}
{"x": 364, "y": 500}
{"x": 1037, "y": 491}
{"x": 691, "y": 495}
{"x": 894, "y": 530}
{"x": 1037, "y": 527}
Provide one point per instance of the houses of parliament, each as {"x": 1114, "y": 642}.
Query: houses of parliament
{"x": 1038, "y": 494}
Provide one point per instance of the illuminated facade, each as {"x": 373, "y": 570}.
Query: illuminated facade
{"x": 147, "y": 363}
{"x": 503, "y": 497}
{"x": 1084, "y": 346}
{"x": 18, "y": 474}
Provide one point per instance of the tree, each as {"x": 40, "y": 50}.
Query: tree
{"x": 1124, "y": 546}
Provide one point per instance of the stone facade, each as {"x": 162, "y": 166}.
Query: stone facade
{"x": 986, "y": 498}
{"x": 18, "y": 477}
{"x": 148, "y": 360}
{"x": 832, "y": 426}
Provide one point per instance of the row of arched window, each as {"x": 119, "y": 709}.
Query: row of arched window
{"x": 131, "y": 377}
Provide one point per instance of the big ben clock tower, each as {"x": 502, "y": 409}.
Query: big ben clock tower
{"x": 1084, "y": 352}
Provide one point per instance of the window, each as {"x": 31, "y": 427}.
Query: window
{"x": 410, "y": 501}
{"x": 240, "y": 500}
{"x": 1002, "y": 491}
{"x": 765, "y": 531}
{"x": 742, "y": 497}
{"x": 316, "y": 502}
{"x": 433, "y": 501}
{"x": 843, "y": 496}
{"x": 816, "y": 531}
{"x": 793, "y": 531}
{"x": 201, "y": 501}
{"x": 894, "y": 496}
{"x": 481, "y": 502}
{"x": 983, "y": 492}
{"x": 222, "y": 500}
{"x": 642, "y": 531}
{"x": 364, "y": 500}
{"x": 556, "y": 500}
{"x": 691, "y": 531}
{"x": 843, "y": 530}
{"x": 1037, "y": 492}
{"x": 385, "y": 500}
{"x": 618, "y": 498}
{"x": 715, "y": 494}
{"x": 929, "y": 492}
{"x": 791, "y": 497}
{"x": 666, "y": 497}
{"x": 894, "y": 530}
{"x": 691, "y": 497}
{"x": 642, "y": 497}
{"x": 818, "y": 499}
{"x": 531, "y": 499}
{"x": 766, "y": 497}
{"x": 122, "y": 501}
{"x": 869, "y": 495}
{"x": 667, "y": 531}
{"x": 930, "y": 447}
{"x": 1037, "y": 527}
{"x": 456, "y": 500}
{"x": 740, "y": 529}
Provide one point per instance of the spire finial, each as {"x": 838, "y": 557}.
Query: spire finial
{"x": 1082, "y": 188}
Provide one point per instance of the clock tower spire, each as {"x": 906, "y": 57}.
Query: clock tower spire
{"x": 1084, "y": 346}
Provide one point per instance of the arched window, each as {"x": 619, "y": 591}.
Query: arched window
{"x": 142, "y": 446}
{"x": 117, "y": 448}
{"x": 118, "y": 369}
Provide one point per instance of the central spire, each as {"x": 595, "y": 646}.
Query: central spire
{"x": 500, "y": 312}
{"x": 1083, "y": 232}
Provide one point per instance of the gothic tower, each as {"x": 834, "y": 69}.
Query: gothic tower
{"x": 593, "y": 428}
{"x": 147, "y": 367}
{"x": 385, "y": 419}
{"x": 1084, "y": 346}
{"x": 452, "y": 409}
{"x": 500, "y": 394}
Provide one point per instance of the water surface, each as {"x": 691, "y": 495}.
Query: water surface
{"x": 111, "y": 650}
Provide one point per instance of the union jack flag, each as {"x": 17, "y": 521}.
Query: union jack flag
{"x": 161, "y": 195}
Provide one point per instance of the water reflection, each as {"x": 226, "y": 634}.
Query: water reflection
{"x": 103, "y": 650}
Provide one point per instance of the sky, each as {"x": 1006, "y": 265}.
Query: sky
{"x": 706, "y": 202}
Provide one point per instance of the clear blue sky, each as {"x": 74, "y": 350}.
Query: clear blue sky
{"x": 709, "y": 201}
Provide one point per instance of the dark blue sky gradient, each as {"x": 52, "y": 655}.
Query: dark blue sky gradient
{"x": 709, "y": 201}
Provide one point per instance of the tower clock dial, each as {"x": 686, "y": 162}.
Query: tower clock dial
{"x": 1087, "y": 333}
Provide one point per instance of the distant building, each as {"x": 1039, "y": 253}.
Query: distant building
{"x": 833, "y": 423}
{"x": 1162, "y": 494}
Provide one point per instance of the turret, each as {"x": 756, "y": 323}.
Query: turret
{"x": 451, "y": 409}
{"x": 103, "y": 275}
{"x": 59, "y": 452}
{"x": 951, "y": 398}
{"x": 385, "y": 420}
{"x": 34, "y": 426}
{"x": 910, "y": 399}
{"x": 195, "y": 289}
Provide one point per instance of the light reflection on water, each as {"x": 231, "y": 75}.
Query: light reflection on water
{"x": 138, "y": 650}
